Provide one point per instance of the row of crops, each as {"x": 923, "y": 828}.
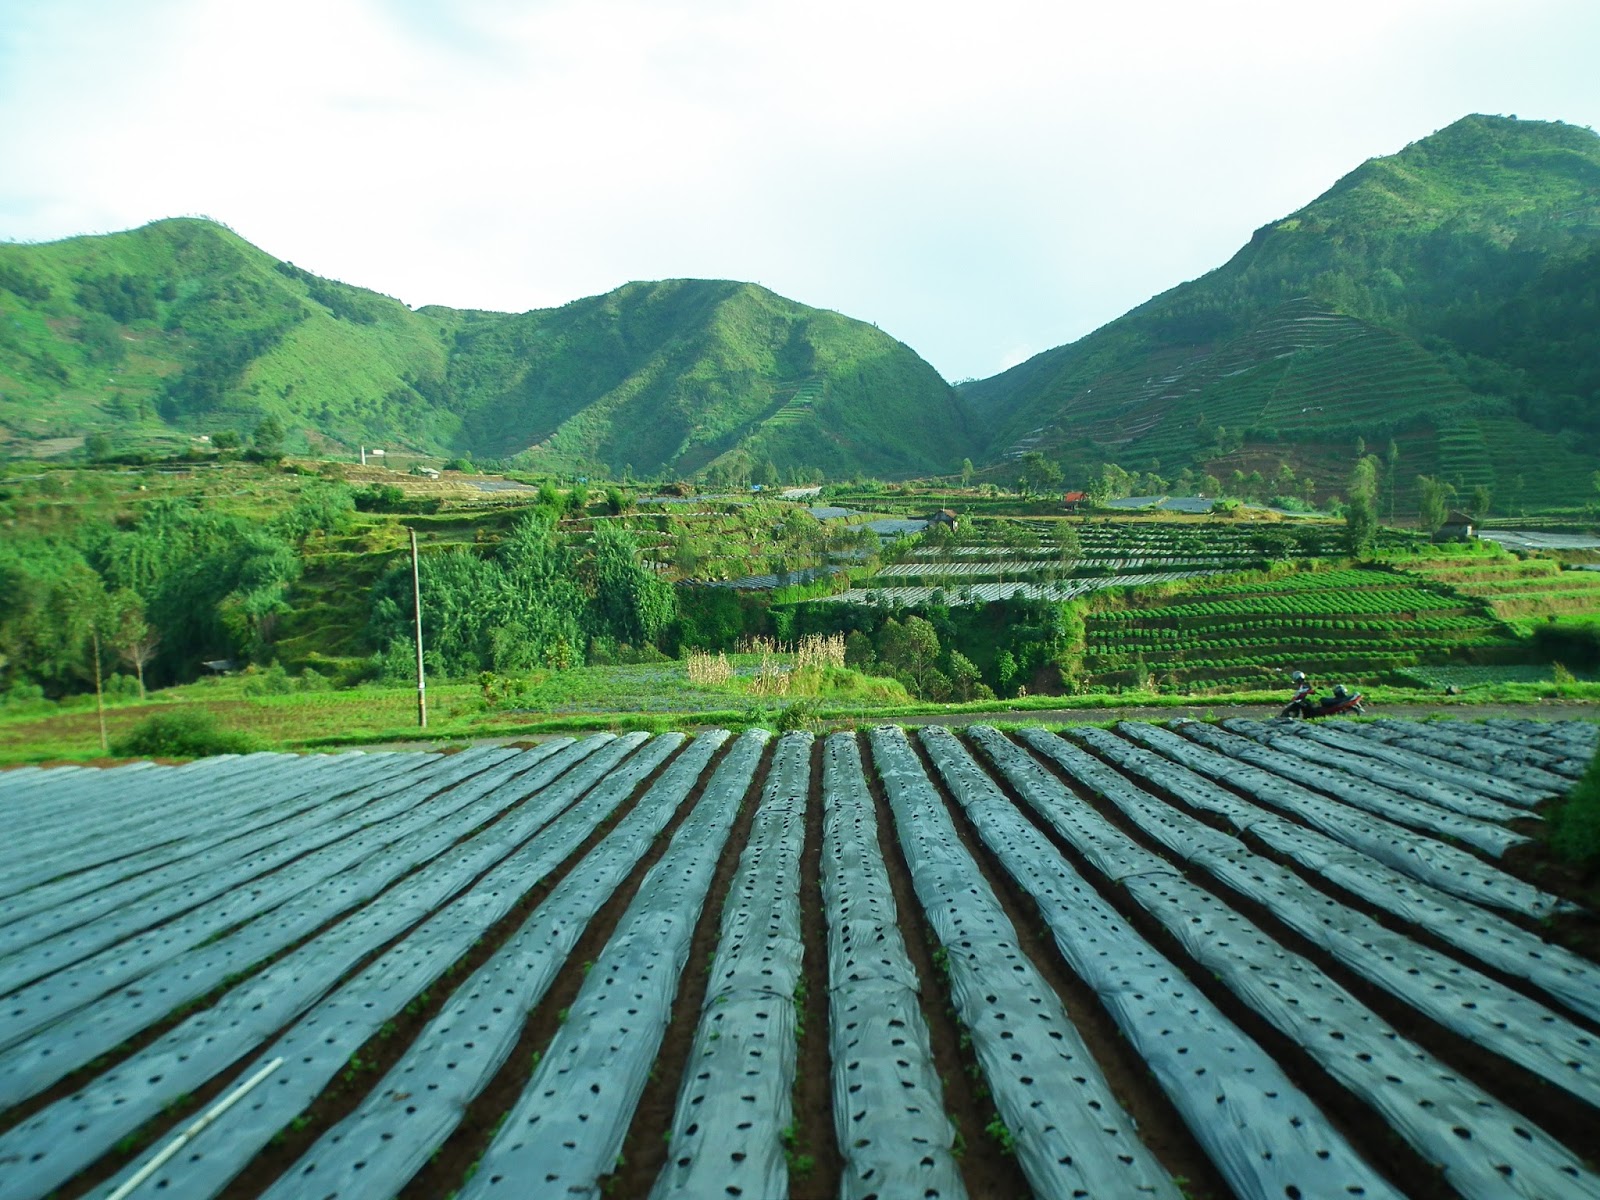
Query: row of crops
{"x": 1026, "y": 560}
{"x": 1511, "y": 588}
{"x": 1356, "y": 620}
{"x": 1242, "y": 960}
{"x": 981, "y": 593}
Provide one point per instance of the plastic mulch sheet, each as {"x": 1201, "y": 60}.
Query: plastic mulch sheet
{"x": 410, "y": 1112}
{"x": 329, "y": 1036}
{"x": 1266, "y": 1137}
{"x": 727, "y": 1129}
{"x": 1072, "y": 1137}
{"x": 1296, "y": 738}
{"x": 1425, "y": 741}
{"x": 888, "y": 1105}
{"x": 63, "y": 1138}
{"x": 1456, "y": 996}
{"x": 1486, "y": 836}
{"x": 1425, "y": 859}
{"x": 1484, "y": 1148}
{"x": 1568, "y": 978}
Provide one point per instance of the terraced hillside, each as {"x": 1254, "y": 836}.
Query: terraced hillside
{"x": 1514, "y": 589}
{"x": 1431, "y": 296}
{"x": 1356, "y": 623}
{"x": 1183, "y": 961}
{"x": 1029, "y": 559}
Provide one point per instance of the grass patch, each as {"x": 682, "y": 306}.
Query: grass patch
{"x": 1575, "y": 823}
{"x": 183, "y": 733}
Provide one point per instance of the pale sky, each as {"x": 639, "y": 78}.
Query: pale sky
{"x": 982, "y": 180}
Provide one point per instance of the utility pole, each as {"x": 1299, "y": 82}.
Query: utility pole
{"x": 99, "y": 694}
{"x": 416, "y": 596}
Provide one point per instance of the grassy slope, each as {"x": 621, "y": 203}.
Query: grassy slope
{"x": 658, "y": 376}
{"x": 209, "y": 291}
{"x": 1422, "y": 289}
{"x": 673, "y": 375}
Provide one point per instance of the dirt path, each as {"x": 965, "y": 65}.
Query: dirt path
{"x": 1547, "y": 710}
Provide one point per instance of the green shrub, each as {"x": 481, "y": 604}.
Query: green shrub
{"x": 798, "y": 717}
{"x": 273, "y": 681}
{"x": 1575, "y": 823}
{"x": 183, "y": 733}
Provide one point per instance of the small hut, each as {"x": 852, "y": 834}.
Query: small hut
{"x": 1457, "y": 527}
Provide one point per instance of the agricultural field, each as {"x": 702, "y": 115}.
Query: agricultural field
{"x": 1179, "y": 960}
{"x": 1359, "y": 619}
{"x": 1515, "y": 590}
{"x": 1064, "y": 559}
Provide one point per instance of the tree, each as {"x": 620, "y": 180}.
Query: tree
{"x": 97, "y": 446}
{"x": 966, "y": 472}
{"x": 1361, "y": 514}
{"x": 630, "y": 602}
{"x": 1433, "y": 502}
{"x": 129, "y": 634}
{"x": 225, "y": 439}
{"x": 1391, "y": 461}
{"x": 912, "y": 648}
{"x": 1039, "y": 472}
{"x": 267, "y": 441}
{"x": 965, "y": 679}
{"x": 1482, "y": 498}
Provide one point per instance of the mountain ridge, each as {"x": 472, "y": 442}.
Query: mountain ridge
{"x": 181, "y": 326}
{"x": 1442, "y": 298}
{"x": 1428, "y": 251}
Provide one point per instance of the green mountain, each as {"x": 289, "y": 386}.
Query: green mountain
{"x": 1445, "y": 297}
{"x": 182, "y": 327}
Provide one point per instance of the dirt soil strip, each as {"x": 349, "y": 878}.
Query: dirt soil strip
{"x": 813, "y": 1154}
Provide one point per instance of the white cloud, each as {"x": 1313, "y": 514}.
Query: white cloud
{"x": 975, "y": 179}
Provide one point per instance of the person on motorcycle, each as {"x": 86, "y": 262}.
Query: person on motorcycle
{"x": 1302, "y": 705}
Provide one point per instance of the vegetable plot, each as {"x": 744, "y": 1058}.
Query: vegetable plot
{"x": 1150, "y": 961}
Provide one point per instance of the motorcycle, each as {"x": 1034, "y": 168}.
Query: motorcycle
{"x": 1304, "y": 705}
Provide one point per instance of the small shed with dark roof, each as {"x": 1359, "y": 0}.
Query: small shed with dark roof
{"x": 1457, "y": 527}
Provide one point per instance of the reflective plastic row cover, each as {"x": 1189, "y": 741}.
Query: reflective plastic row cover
{"x": 1484, "y": 1148}
{"x": 1572, "y": 980}
{"x": 566, "y": 1131}
{"x": 888, "y": 1104}
{"x": 1447, "y": 991}
{"x": 727, "y": 1129}
{"x": 1447, "y": 867}
{"x": 1486, "y": 836}
{"x": 1072, "y": 1137}
{"x": 1267, "y": 1137}
{"x": 61, "y": 1139}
